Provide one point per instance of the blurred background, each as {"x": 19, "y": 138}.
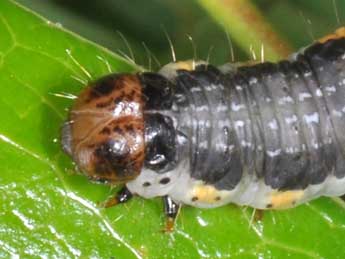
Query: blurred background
{"x": 297, "y": 22}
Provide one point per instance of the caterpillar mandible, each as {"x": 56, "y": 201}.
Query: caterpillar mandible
{"x": 268, "y": 135}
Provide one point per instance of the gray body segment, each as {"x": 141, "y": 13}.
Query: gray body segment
{"x": 281, "y": 122}
{"x": 255, "y": 133}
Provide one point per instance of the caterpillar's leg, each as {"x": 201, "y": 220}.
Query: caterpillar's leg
{"x": 171, "y": 210}
{"x": 342, "y": 197}
{"x": 122, "y": 196}
{"x": 258, "y": 215}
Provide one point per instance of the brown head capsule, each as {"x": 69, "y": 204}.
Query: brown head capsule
{"x": 105, "y": 131}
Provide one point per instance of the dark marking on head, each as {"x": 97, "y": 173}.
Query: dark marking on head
{"x": 130, "y": 129}
{"x": 112, "y": 156}
{"x": 105, "y": 131}
{"x": 131, "y": 94}
{"x": 105, "y": 85}
{"x": 118, "y": 100}
{"x": 104, "y": 104}
{"x": 118, "y": 130}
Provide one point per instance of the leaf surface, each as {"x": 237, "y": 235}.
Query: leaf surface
{"x": 48, "y": 211}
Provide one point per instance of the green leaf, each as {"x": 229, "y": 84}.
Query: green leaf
{"x": 46, "y": 210}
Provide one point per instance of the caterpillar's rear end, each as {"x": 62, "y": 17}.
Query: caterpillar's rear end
{"x": 269, "y": 135}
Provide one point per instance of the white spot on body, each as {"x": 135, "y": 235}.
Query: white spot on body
{"x": 292, "y": 119}
{"x": 253, "y": 80}
{"x": 289, "y": 150}
{"x": 304, "y": 147}
{"x": 174, "y": 107}
{"x": 330, "y": 89}
{"x": 239, "y": 124}
{"x": 203, "y": 144}
{"x": 285, "y": 99}
{"x": 318, "y": 93}
{"x": 222, "y": 108}
{"x": 214, "y": 87}
{"x": 273, "y": 124}
{"x": 303, "y": 96}
{"x": 208, "y": 88}
{"x": 337, "y": 113}
{"x": 195, "y": 89}
{"x": 202, "y": 108}
{"x": 311, "y": 118}
{"x": 238, "y": 88}
{"x": 246, "y": 143}
{"x": 274, "y": 152}
{"x": 204, "y": 123}
{"x": 236, "y": 107}
{"x": 316, "y": 145}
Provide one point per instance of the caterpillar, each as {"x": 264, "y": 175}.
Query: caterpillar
{"x": 266, "y": 135}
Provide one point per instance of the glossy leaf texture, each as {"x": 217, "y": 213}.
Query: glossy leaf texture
{"x": 49, "y": 211}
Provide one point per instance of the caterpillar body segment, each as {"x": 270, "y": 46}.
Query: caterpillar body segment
{"x": 268, "y": 135}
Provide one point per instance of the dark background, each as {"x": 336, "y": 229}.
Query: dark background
{"x": 297, "y": 21}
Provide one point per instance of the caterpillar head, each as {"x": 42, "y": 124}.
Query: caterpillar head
{"x": 105, "y": 131}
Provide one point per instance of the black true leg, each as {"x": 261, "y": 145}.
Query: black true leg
{"x": 342, "y": 197}
{"x": 122, "y": 196}
{"x": 171, "y": 210}
{"x": 258, "y": 215}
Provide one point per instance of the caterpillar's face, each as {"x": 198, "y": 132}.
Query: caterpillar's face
{"x": 105, "y": 131}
